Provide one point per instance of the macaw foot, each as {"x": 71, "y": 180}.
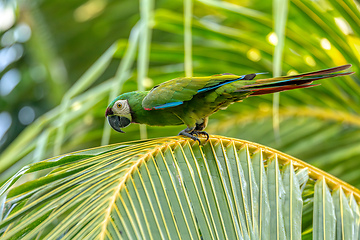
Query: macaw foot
{"x": 192, "y": 133}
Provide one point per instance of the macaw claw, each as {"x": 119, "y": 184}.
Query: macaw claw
{"x": 191, "y": 135}
{"x": 197, "y": 133}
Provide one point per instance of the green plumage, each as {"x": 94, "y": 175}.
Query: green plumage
{"x": 190, "y": 101}
{"x": 195, "y": 106}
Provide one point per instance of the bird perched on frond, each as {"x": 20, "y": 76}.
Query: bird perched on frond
{"x": 191, "y": 100}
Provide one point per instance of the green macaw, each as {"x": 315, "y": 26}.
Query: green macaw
{"x": 191, "y": 100}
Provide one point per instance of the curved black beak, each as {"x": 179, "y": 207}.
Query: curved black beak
{"x": 117, "y": 122}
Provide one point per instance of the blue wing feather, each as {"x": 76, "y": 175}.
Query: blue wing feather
{"x": 219, "y": 85}
{"x": 167, "y": 105}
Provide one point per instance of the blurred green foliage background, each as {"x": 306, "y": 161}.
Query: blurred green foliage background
{"x": 62, "y": 61}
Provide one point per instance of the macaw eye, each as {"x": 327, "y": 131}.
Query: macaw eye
{"x": 119, "y": 105}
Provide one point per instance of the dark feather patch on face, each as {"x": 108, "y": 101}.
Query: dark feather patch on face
{"x": 108, "y": 112}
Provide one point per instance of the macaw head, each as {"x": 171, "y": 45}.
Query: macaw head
{"x": 118, "y": 114}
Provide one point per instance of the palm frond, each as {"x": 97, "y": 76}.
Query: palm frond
{"x": 173, "y": 188}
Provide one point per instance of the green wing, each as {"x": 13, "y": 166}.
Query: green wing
{"x": 174, "y": 92}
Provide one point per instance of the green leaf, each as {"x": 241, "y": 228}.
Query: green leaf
{"x": 324, "y": 212}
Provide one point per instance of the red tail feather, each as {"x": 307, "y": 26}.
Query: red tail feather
{"x": 280, "y": 89}
{"x": 279, "y": 84}
{"x": 324, "y": 71}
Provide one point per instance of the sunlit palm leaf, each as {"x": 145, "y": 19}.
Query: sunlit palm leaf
{"x": 173, "y": 188}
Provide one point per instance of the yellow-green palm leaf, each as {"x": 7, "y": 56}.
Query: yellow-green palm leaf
{"x": 172, "y": 188}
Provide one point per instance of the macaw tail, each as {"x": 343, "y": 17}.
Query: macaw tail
{"x": 279, "y": 84}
